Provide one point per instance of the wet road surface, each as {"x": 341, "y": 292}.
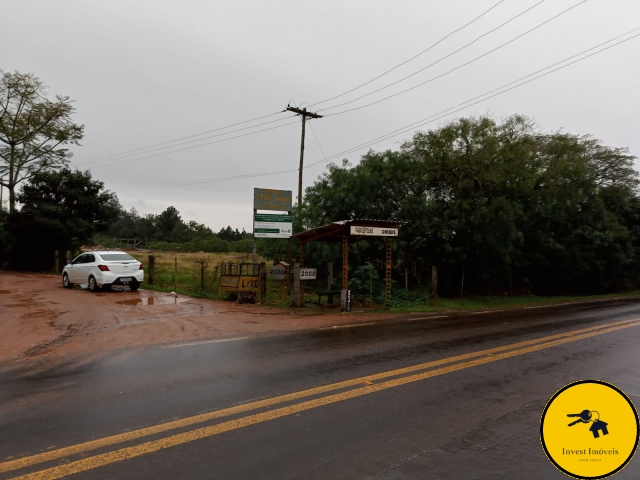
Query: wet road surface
{"x": 452, "y": 397}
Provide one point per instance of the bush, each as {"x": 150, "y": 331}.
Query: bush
{"x": 243, "y": 246}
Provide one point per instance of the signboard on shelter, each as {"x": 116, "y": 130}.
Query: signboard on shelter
{"x": 374, "y": 231}
{"x": 269, "y": 225}
{"x": 278, "y": 200}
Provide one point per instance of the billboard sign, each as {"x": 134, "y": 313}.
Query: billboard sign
{"x": 278, "y": 200}
{"x": 269, "y": 225}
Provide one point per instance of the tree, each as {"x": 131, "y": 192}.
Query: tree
{"x": 167, "y": 221}
{"x": 501, "y": 201}
{"x": 60, "y": 211}
{"x": 33, "y": 130}
{"x": 229, "y": 234}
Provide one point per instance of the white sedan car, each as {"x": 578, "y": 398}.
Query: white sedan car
{"x": 103, "y": 269}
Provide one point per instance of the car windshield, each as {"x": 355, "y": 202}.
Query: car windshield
{"x": 116, "y": 257}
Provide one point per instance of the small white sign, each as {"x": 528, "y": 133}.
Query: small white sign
{"x": 276, "y": 272}
{"x": 268, "y": 225}
{"x": 308, "y": 273}
{"x": 374, "y": 231}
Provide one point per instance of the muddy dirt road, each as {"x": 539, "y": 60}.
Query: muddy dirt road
{"x": 42, "y": 321}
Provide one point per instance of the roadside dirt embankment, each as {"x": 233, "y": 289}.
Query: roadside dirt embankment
{"x": 39, "y": 319}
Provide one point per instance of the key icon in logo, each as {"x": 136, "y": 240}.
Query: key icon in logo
{"x": 584, "y": 417}
{"x": 588, "y": 416}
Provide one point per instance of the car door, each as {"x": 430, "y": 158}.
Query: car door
{"x": 72, "y": 269}
{"x": 84, "y": 268}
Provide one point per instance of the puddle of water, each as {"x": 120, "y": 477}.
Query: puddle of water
{"x": 4, "y": 292}
{"x": 166, "y": 300}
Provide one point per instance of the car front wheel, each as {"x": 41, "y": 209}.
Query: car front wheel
{"x": 65, "y": 281}
{"x": 93, "y": 285}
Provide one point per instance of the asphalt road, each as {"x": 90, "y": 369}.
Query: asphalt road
{"x": 455, "y": 397}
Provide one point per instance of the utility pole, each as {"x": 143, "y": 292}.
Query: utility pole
{"x": 304, "y": 114}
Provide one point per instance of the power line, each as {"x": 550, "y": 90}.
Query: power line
{"x": 318, "y": 141}
{"x": 440, "y": 114}
{"x": 189, "y": 136}
{"x": 441, "y": 59}
{"x": 213, "y": 180}
{"x": 140, "y": 152}
{"x": 446, "y": 73}
{"x": 426, "y": 119}
{"x": 143, "y": 150}
{"x": 390, "y": 96}
{"x": 195, "y": 146}
{"x": 412, "y": 58}
{"x": 87, "y": 162}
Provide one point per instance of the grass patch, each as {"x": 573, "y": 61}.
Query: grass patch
{"x": 187, "y": 281}
{"x": 487, "y": 303}
{"x": 181, "y": 272}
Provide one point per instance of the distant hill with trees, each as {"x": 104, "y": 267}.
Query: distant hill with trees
{"x": 168, "y": 231}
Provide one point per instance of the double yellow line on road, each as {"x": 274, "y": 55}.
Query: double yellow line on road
{"x": 364, "y": 386}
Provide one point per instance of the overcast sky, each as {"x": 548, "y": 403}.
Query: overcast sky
{"x": 143, "y": 73}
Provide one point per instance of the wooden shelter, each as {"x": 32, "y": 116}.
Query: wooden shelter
{"x": 348, "y": 232}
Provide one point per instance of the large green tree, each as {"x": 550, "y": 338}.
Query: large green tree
{"x": 60, "y": 211}
{"x": 33, "y": 130}
{"x": 501, "y": 201}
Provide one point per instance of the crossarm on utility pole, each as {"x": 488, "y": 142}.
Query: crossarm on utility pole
{"x": 304, "y": 114}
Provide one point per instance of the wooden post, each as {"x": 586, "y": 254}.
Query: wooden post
{"x": 263, "y": 282}
{"x": 345, "y": 263}
{"x": 283, "y": 289}
{"x": 152, "y": 266}
{"x": 296, "y": 285}
{"x": 434, "y": 282}
{"x": 329, "y": 276}
{"x": 344, "y": 296}
{"x": 406, "y": 283}
{"x": 215, "y": 277}
{"x": 388, "y": 276}
{"x": 202, "y": 275}
{"x": 255, "y": 260}
{"x": 302, "y": 265}
{"x": 56, "y": 261}
{"x": 289, "y": 255}
{"x": 175, "y": 274}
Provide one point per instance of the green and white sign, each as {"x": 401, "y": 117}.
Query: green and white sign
{"x": 269, "y": 225}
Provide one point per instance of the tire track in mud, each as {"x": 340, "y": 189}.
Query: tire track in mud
{"x": 46, "y": 347}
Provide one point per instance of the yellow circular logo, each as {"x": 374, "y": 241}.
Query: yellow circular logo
{"x": 589, "y": 429}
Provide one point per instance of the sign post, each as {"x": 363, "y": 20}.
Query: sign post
{"x": 255, "y": 247}
{"x": 270, "y": 225}
{"x": 299, "y": 275}
{"x": 345, "y": 301}
{"x": 296, "y": 285}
